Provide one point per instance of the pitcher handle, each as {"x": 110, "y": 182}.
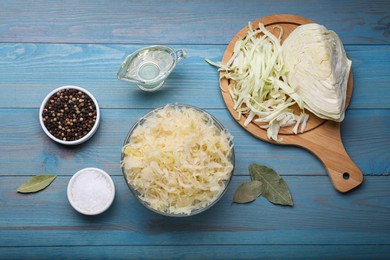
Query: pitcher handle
{"x": 180, "y": 54}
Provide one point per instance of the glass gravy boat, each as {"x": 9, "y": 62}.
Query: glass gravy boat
{"x": 149, "y": 67}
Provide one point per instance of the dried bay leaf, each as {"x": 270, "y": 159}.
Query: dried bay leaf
{"x": 36, "y": 183}
{"x": 248, "y": 191}
{"x": 275, "y": 188}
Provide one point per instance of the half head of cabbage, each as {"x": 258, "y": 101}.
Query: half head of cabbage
{"x": 317, "y": 68}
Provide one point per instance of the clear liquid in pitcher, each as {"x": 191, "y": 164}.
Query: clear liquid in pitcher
{"x": 150, "y": 65}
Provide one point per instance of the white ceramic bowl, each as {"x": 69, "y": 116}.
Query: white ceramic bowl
{"x": 84, "y": 138}
{"x": 91, "y": 191}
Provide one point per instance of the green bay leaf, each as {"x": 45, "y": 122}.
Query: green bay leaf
{"x": 276, "y": 189}
{"x": 36, "y": 183}
{"x": 248, "y": 191}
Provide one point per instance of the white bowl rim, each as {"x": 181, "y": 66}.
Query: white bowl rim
{"x": 84, "y": 138}
{"x": 72, "y": 180}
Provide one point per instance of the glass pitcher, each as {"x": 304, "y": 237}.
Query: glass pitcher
{"x": 149, "y": 67}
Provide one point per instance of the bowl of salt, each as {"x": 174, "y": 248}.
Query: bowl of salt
{"x": 91, "y": 191}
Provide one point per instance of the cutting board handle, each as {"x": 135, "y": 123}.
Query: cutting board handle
{"x": 343, "y": 172}
{"x": 325, "y": 142}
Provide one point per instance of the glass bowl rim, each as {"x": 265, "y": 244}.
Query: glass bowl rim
{"x": 216, "y": 122}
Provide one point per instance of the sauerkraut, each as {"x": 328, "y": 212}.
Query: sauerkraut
{"x": 178, "y": 159}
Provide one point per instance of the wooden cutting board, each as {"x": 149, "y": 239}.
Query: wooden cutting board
{"x": 321, "y": 137}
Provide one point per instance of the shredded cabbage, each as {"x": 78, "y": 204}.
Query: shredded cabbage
{"x": 255, "y": 71}
{"x": 310, "y": 69}
{"x": 178, "y": 160}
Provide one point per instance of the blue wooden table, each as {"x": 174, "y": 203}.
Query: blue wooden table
{"x": 46, "y": 44}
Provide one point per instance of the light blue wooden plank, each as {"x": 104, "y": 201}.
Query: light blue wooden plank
{"x": 365, "y": 134}
{"x": 320, "y": 216}
{"x": 224, "y": 252}
{"x": 45, "y": 67}
{"x": 361, "y": 141}
{"x": 29, "y": 72}
{"x": 173, "y": 22}
{"x": 322, "y": 224}
{"x": 369, "y": 66}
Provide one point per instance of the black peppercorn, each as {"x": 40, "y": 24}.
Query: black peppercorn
{"x": 69, "y": 122}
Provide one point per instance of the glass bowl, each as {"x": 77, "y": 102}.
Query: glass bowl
{"x": 231, "y": 158}
{"x": 85, "y": 137}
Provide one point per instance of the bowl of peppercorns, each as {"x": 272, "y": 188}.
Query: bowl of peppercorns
{"x": 69, "y": 115}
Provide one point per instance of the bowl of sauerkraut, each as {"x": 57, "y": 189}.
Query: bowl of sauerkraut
{"x": 178, "y": 160}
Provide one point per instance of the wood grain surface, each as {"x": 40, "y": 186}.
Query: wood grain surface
{"x": 24, "y": 141}
{"x": 43, "y": 67}
{"x": 171, "y": 22}
{"x": 47, "y": 44}
{"x": 129, "y": 223}
{"x": 200, "y": 251}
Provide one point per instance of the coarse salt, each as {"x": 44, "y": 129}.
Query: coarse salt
{"x": 91, "y": 191}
